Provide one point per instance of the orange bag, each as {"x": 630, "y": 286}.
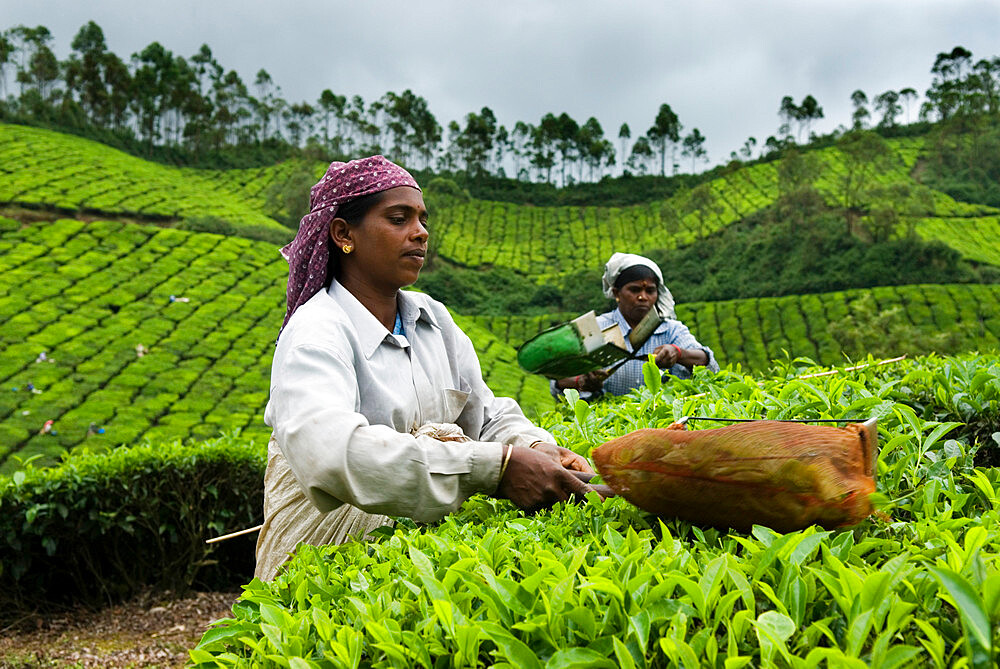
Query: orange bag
{"x": 786, "y": 476}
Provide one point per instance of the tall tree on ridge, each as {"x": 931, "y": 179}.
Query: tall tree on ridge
{"x": 694, "y": 147}
{"x": 665, "y": 133}
{"x": 642, "y": 153}
{"x": 861, "y": 114}
{"x": 6, "y": 52}
{"x": 331, "y": 104}
{"x": 566, "y": 135}
{"x": 119, "y": 82}
{"x": 946, "y": 96}
{"x": 808, "y": 112}
{"x": 888, "y": 104}
{"x": 907, "y": 95}
{"x": 84, "y": 73}
{"x": 624, "y": 134}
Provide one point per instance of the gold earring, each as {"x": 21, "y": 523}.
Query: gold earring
{"x": 347, "y": 248}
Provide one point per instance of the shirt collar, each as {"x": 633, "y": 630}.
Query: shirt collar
{"x": 412, "y": 310}
{"x": 371, "y": 333}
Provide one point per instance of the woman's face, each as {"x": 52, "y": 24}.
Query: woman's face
{"x": 635, "y": 299}
{"x": 390, "y": 243}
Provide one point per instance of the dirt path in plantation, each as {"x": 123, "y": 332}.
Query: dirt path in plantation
{"x": 152, "y": 630}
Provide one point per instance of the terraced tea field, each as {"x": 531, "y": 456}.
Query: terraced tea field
{"x": 755, "y": 332}
{"x": 69, "y": 174}
{"x": 41, "y": 168}
{"x": 203, "y": 307}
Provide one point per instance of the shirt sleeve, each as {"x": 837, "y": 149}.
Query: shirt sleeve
{"x": 501, "y": 417}
{"x": 338, "y": 457}
{"x": 682, "y": 337}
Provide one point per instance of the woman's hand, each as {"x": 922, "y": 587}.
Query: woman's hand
{"x": 564, "y": 457}
{"x": 535, "y": 480}
{"x": 667, "y": 356}
{"x": 592, "y": 382}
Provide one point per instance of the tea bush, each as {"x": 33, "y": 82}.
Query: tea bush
{"x": 602, "y": 584}
{"x": 100, "y": 527}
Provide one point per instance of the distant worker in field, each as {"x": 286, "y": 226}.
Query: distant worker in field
{"x": 377, "y": 402}
{"x": 636, "y": 284}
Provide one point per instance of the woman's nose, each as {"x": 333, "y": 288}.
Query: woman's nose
{"x": 420, "y": 231}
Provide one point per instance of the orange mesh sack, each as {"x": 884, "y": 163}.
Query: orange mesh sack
{"x": 786, "y": 476}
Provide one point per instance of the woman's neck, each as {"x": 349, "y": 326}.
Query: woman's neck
{"x": 380, "y": 302}
{"x": 625, "y": 318}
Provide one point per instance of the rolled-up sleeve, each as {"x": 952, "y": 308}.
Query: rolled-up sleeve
{"x": 338, "y": 457}
{"x": 502, "y": 418}
{"x": 682, "y": 336}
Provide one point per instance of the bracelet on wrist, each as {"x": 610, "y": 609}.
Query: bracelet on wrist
{"x": 506, "y": 461}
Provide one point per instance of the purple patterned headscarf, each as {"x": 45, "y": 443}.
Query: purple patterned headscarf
{"x": 309, "y": 252}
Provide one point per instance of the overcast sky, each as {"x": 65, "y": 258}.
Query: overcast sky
{"x": 722, "y": 66}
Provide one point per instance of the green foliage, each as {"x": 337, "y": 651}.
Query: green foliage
{"x": 222, "y": 227}
{"x": 960, "y": 389}
{"x": 796, "y": 247}
{"x": 498, "y": 290}
{"x": 100, "y": 527}
{"x": 603, "y": 584}
{"x": 866, "y": 330}
{"x": 288, "y": 198}
{"x": 963, "y": 159}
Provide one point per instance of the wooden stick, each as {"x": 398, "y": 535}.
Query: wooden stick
{"x": 826, "y": 373}
{"x": 851, "y": 369}
{"x": 233, "y": 535}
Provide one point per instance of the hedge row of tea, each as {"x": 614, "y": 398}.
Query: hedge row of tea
{"x": 120, "y": 332}
{"x": 602, "y": 584}
{"x": 101, "y": 527}
{"x": 44, "y": 168}
{"x": 755, "y": 332}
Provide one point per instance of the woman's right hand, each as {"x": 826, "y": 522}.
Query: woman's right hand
{"x": 535, "y": 481}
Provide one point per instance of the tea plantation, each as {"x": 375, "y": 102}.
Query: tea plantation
{"x": 203, "y": 307}
{"x": 121, "y": 329}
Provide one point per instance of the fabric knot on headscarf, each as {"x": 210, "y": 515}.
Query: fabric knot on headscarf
{"x": 309, "y": 253}
{"x": 620, "y": 262}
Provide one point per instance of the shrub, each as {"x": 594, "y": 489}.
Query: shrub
{"x": 98, "y": 528}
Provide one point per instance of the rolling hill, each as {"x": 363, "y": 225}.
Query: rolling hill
{"x": 204, "y": 307}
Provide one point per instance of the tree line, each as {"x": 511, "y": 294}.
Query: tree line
{"x": 197, "y": 108}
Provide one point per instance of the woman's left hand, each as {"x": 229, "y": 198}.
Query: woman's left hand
{"x": 565, "y": 457}
{"x": 667, "y": 356}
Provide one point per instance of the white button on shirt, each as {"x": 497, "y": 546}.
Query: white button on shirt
{"x": 346, "y": 393}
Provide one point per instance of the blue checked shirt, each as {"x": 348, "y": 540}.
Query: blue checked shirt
{"x": 629, "y": 375}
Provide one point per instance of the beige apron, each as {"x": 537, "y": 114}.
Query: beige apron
{"x": 291, "y": 519}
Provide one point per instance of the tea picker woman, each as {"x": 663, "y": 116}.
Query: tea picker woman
{"x": 377, "y": 404}
{"x": 635, "y": 283}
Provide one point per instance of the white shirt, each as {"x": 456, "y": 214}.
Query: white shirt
{"x": 346, "y": 393}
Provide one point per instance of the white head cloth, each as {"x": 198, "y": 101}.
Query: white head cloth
{"x": 619, "y": 262}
